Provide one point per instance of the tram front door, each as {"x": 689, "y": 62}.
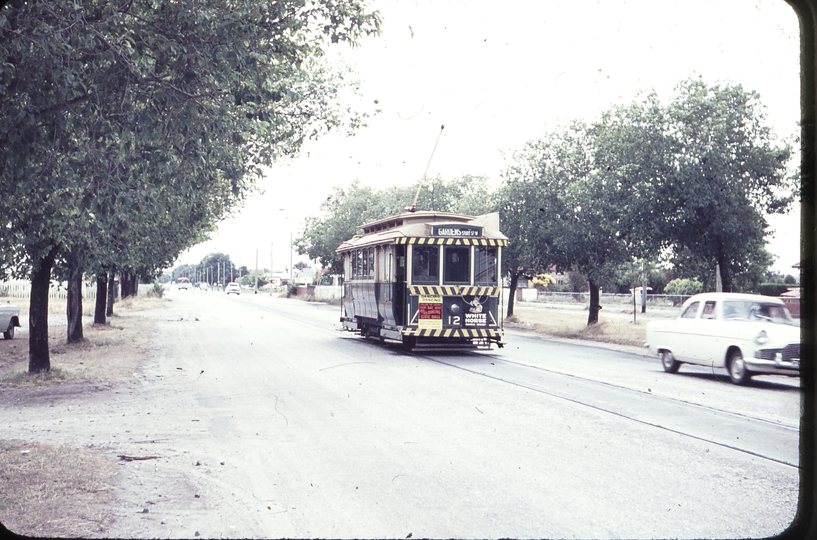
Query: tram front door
{"x": 400, "y": 286}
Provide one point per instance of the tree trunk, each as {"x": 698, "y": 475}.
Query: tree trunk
{"x": 38, "y": 355}
{"x": 512, "y": 291}
{"x": 74, "y": 306}
{"x": 111, "y": 292}
{"x": 726, "y": 279}
{"x": 593, "y": 314}
{"x": 101, "y": 297}
{"x": 129, "y": 284}
{"x": 124, "y": 284}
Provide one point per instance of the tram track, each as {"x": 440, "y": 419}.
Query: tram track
{"x": 750, "y": 435}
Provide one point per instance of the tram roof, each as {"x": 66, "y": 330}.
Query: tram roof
{"x": 418, "y": 225}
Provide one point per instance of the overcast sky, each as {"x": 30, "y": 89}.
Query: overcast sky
{"x": 498, "y": 78}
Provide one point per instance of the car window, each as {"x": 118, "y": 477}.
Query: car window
{"x": 690, "y": 311}
{"x": 709, "y": 310}
{"x": 748, "y": 310}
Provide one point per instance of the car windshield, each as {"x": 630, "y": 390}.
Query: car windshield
{"x": 743, "y": 310}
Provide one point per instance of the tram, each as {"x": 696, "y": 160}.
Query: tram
{"x": 429, "y": 280}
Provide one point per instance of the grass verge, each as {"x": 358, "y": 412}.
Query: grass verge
{"x": 611, "y": 328}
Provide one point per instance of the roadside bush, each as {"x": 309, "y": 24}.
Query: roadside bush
{"x": 772, "y": 289}
{"x": 291, "y": 289}
{"x": 157, "y": 291}
{"x": 683, "y": 287}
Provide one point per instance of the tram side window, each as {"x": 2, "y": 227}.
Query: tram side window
{"x": 457, "y": 265}
{"x": 358, "y": 268}
{"x": 370, "y": 258}
{"x": 425, "y": 264}
{"x": 485, "y": 266}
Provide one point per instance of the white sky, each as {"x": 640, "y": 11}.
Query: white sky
{"x": 497, "y": 78}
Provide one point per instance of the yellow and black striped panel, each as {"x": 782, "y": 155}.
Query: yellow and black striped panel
{"x": 453, "y": 332}
{"x": 453, "y": 290}
{"x": 452, "y": 241}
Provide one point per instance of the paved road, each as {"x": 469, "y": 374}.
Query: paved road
{"x": 285, "y": 427}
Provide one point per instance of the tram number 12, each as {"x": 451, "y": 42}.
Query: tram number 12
{"x": 454, "y": 320}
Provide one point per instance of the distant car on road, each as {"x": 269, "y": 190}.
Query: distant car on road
{"x": 746, "y": 334}
{"x": 9, "y": 319}
{"x": 183, "y": 284}
{"x": 233, "y": 288}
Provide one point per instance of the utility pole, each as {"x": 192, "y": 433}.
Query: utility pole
{"x": 256, "y": 271}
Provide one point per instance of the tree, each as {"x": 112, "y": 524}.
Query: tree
{"x": 151, "y": 120}
{"x": 727, "y": 175}
{"x": 530, "y": 209}
{"x": 346, "y": 209}
{"x": 689, "y": 182}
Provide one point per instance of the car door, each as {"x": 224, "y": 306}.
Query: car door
{"x": 708, "y": 334}
{"x": 680, "y": 339}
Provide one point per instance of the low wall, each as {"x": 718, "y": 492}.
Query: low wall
{"x": 327, "y": 293}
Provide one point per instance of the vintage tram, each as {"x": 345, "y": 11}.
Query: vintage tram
{"x": 430, "y": 280}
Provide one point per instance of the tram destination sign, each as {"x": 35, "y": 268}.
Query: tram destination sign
{"x": 456, "y": 231}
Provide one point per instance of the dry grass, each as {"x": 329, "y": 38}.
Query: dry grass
{"x": 611, "y": 328}
{"x": 53, "y": 491}
{"x": 109, "y": 352}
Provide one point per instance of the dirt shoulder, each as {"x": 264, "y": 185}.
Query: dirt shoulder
{"x": 61, "y": 490}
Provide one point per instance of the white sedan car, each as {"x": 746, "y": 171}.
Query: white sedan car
{"x": 233, "y": 288}
{"x": 9, "y": 318}
{"x": 746, "y": 334}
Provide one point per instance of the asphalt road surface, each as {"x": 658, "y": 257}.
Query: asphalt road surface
{"x": 262, "y": 419}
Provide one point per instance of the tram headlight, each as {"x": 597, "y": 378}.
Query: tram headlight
{"x": 455, "y": 309}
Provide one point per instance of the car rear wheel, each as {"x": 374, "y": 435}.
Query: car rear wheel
{"x": 9, "y": 334}
{"x": 737, "y": 369}
{"x": 669, "y": 362}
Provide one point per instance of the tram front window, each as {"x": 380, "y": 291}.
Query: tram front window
{"x": 425, "y": 264}
{"x": 457, "y": 267}
{"x": 485, "y": 266}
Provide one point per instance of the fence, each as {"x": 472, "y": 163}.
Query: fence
{"x": 59, "y": 290}
{"x": 653, "y": 300}
{"x": 547, "y": 297}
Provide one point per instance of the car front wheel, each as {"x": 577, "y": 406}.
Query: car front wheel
{"x": 9, "y": 334}
{"x": 669, "y": 362}
{"x": 737, "y": 369}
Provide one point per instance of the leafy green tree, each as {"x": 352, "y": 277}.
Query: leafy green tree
{"x": 530, "y": 210}
{"x": 215, "y": 267}
{"x": 122, "y": 117}
{"x": 346, "y": 209}
{"x": 728, "y": 174}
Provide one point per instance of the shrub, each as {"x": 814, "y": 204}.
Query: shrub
{"x": 772, "y": 289}
{"x": 683, "y": 287}
{"x": 291, "y": 289}
{"x": 157, "y": 291}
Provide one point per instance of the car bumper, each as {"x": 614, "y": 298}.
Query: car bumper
{"x": 780, "y": 361}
